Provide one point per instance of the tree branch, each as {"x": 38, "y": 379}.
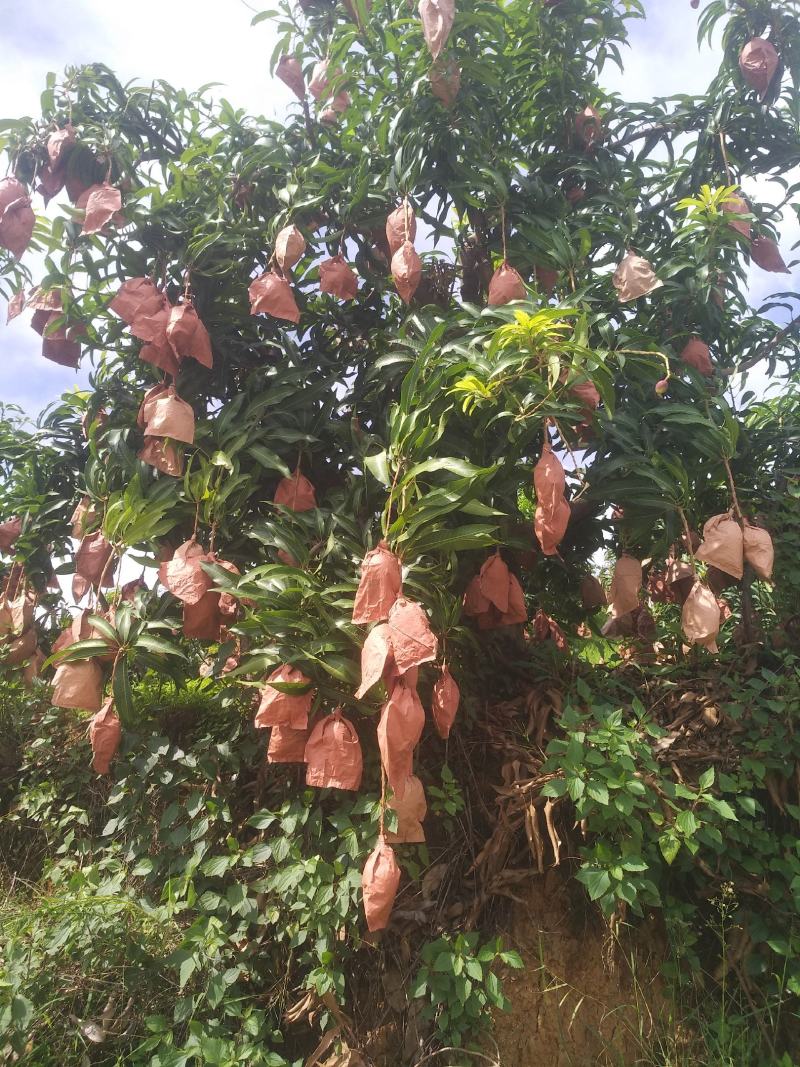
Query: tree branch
{"x": 765, "y": 349}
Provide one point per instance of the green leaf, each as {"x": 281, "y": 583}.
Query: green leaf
{"x": 706, "y": 779}
{"x": 378, "y": 466}
{"x": 21, "y": 1012}
{"x": 686, "y": 823}
{"x": 597, "y": 882}
{"x": 216, "y": 866}
{"x": 186, "y": 970}
{"x": 269, "y": 459}
{"x": 597, "y": 791}
{"x": 462, "y": 538}
{"x": 160, "y": 646}
{"x": 723, "y": 808}
{"x": 670, "y": 846}
{"x": 512, "y": 959}
{"x": 220, "y": 459}
{"x": 123, "y": 694}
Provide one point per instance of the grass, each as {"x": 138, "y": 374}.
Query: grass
{"x": 74, "y": 960}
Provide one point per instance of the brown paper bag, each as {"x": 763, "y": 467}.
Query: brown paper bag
{"x": 723, "y": 545}
{"x": 160, "y": 453}
{"x": 758, "y": 62}
{"x": 19, "y": 650}
{"x": 287, "y": 745}
{"x": 83, "y": 517}
{"x": 333, "y": 754}
{"x": 444, "y": 702}
{"x": 406, "y": 271}
{"x": 290, "y": 73}
{"x": 17, "y": 219}
{"x": 758, "y": 550}
{"x": 494, "y": 581}
{"x": 445, "y": 78}
{"x": 183, "y": 574}
{"x": 9, "y": 532}
{"x": 78, "y": 685}
{"x": 399, "y": 730}
{"x": 437, "y": 21}
{"x": 413, "y": 642}
{"x": 272, "y": 295}
{"x": 697, "y": 354}
{"x": 169, "y": 416}
{"x": 279, "y": 708}
{"x": 737, "y": 205}
{"x": 94, "y": 565}
{"x": 376, "y": 656}
{"x": 296, "y": 493}
{"x": 379, "y": 588}
{"x": 137, "y": 297}
{"x": 517, "y": 608}
{"x": 105, "y": 734}
{"x": 506, "y": 285}
{"x": 411, "y": 811}
{"x": 401, "y": 226}
{"x": 188, "y": 337}
{"x": 593, "y": 595}
{"x": 101, "y": 204}
{"x": 289, "y": 247}
{"x": 338, "y": 279}
{"x": 623, "y": 595}
{"x": 634, "y": 277}
{"x": 700, "y": 618}
{"x": 589, "y": 127}
{"x": 552, "y": 514}
{"x": 765, "y": 253}
{"x": 379, "y": 882}
{"x": 201, "y": 619}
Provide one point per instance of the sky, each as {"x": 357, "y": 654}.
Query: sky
{"x": 192, "y": 42}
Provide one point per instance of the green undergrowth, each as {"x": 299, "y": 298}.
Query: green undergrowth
{"x": 194, "y": 897}
{"x": 174, "y": 913}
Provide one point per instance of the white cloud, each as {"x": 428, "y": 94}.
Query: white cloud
{"x": 192, "y": 42}
{"x": 663, "y": 58}
{"x": 186, "y": 42}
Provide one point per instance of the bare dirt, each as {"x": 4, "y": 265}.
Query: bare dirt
{"x": 583, "y": 999}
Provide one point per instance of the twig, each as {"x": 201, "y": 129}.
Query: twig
{"x": 734, "y": 497}
{"x": 461, "y": 1052}
{"x": 662, "y": 128}
{"x": 764, "y": 349}
{"x": 688, "y": 534}
{"x": 725, "y": 157}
